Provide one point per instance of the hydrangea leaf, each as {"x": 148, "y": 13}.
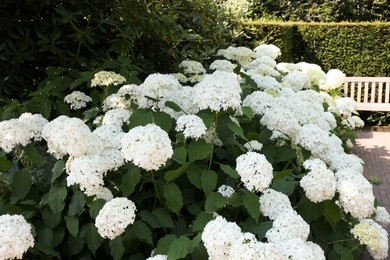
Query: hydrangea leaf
{"x": 91, "y": 236}
{"x": 50, "y": 218}
{"x": 142, "y": 231}
{"x": 174, "y": 174}
{"x": 229, "y": 171}
{"x": 284, "y": 185}
{"x": 193, "y": 175}
{"x": 21, "y": 182}
{"x": 201, "y": 220}
{"x": 199, "y": 150}
{"x": 208, "y": 181}
{"x": 215, "y": 201}
{"x": 5, "y": 164}
{"x": 252, "y": 204}
{"x": 72, "y": 224}
{"x": 95, "y": 206}
{"x": 140, "y": 117}
{"x": 173, "y": 106}
{"x": 57, "y": 196}
{"x": 284, "y": 154}
{"x": 129, "y": 181}
{"x": 332, "y": 214}
{"x": 248, "y": 112}
{"x": 173, "y": 197}
{"x": 117, "y": 248}
{"x": 77, "y": 203}
{"x": 164, "y": 243}
{"x": 180, "y": 154}
{"x": 179, "y": 248}
{"x": 163, "y": 120}
{"x": 58, "y": 169}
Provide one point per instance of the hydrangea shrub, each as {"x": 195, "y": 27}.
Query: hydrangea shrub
{"x": 245, "y": 159}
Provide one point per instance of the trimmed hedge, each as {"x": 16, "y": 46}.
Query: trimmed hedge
{"x": 358, "y": 49}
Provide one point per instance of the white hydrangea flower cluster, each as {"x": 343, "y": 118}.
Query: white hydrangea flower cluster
{"x": 148, "y": 147}
{"x": 225, "y": 240}
{"x": 242, "y": 55}
{"x": 320, "y": 183}
{"x": 333, "y": 80}
{"x": 223, "y": 65}
{"x": 20, "y": 131}
{"x": 355, "y": 193}
{"x": 253, "y": 145}
{"x": 342, "y": 106}
{"x": 192, "y": 67}
{"x": 266, "y": 82}
{"x": 273, "y": 203}
{"x": 370, "y": 233}
{"x": 65, "y": 135}
{"x": 266, "y": 60}
{"x": 255, "y": 171}
{"x": 263, "y": 70}
{"x": 226, "y": 190}
{"x": 107, "y": 78}
{"x": 114, "y": 217}
{"x": 15, "y": 236}
{"x": 218, "y": 91}
{"x": 115, "y": 101}
{"x": 77, "y": 100}
{"x": 117, "y": 116}
{"x": 269, "y": 50}
{"x": 158, "y": 257}
{"x": 297, "y": 249}
{"x": 296, "y": 80}
{"x": 382, "y": 217}
{"x": 192, "y": 126}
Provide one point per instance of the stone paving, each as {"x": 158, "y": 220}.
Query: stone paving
{"x": 373, "y": 147}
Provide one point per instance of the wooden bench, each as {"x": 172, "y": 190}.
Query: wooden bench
{"x": 370, "y": 93}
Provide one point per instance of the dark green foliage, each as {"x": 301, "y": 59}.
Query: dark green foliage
{"x": 142, "y": 36}
{"x": 357, "y": 49}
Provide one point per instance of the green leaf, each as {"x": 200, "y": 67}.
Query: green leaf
{"x": 91, "y": 236}
{"x": 21, "y": 182}
{"x": 332, "y": 213}
{"x": 179, "y": 248}
{"x": 32, "y": 154}
{"x": 236, "y": 129}
{"x": 173, "y": 106}
{"x": 180, "y": 154}
{"x": 193, "y": 175}
{"x": 263, "y": 228}
{"x": 57, "y": 196}
{"x": 309, "y": 210}
{"x": 163, "y": 120}
{"x": 117, "y": 248}
{"x": 229, "y": 171}
{"x": 130, "y": 181}
{"x": 174, "y": 174}
{"x": 142, "y": 231}
{"x": 248, "y": 112}
{"x": 282, "y": 174}
{"x": 58, "y": 169}
{"x": 5, "y": 164}
{"x": 45, "y": 105}
{"x": 74, "y": 245}
{"x": 284, "y": 154}
{"x": 201, "y": 220}
{"x": 140, "y": 117}
{"x": 284, "y": 185}
{"x": 173, "y": 197}
{"x": 163, "y": 217}
{"x": 95, "y": 206}
{"x": 77, "y": 203}
{"x": 46, "y": 250}
{"x": 72, "y": 224}
{"x": 164, "y": 243}
{"x": 199, "y": 150}
{"x": 49, "y": 218}
{"x": 90, "y": 113}
{"x": 45, "y": 236}
{"x": 265, "y": 135}
{"x": 252, "y": 204}
{"x": 208, "y": 181}
{"x": 346, "y": 256}
{"x": 77, "y": 82}
{"x": 214, "y": 202}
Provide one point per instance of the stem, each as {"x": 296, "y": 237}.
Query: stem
{"x": 155, "y": 189}
{"x": 337, "y": 241}
{"x": 213, "y": 144}
{"x": 354, "y": 248}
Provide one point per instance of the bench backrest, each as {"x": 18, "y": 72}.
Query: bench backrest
{"x": 370, "y": 93}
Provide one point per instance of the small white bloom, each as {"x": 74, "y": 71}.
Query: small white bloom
{"x": 273, "y": 203}
{"x": 191, "y": 67}
{"x": 114, "y": 217}
{"x": 192, "y": 126}
{"x": 223, "y": 65}
{"x": 107, "y": 78}
{"x": 77, "y": 100}
{"x": 382, "y": 217}
{"x": 269, "y": 50}
{"x": 334, "y": 79}
{"x": 226, "y": 191}
{"x": 255, "y": 171}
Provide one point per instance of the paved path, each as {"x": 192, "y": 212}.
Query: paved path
{"x": 373, "y": 147}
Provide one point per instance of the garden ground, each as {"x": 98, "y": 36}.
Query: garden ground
{"x": 373, "y": 147}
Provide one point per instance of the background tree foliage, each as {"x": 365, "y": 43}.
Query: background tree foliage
{"x": 141, "y": 36}
{"x": 322, "y": 10}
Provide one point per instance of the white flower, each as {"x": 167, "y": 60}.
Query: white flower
{"x": 255, "y": 171}
{"x": 34, "y": 124}
{"x": 223, "y": 65}
{"x": 211, "y": 136}
{"x": 320, "y": 183}
{"x": 297, "y": 249}
{"x": 296, "y": 80}
{"x": 253, "y": 145}
{"x": 266, "y": 82}
{"x": 218, "y": 91}
{"x": 261, "y": 60}
{"x": 115, "y": 101}
{"x": 158, "y": 257}
{"x": 111, "y": 135}
{"x": 370, "y": 233}
{"x": 117, "y": 116}
{"x": 242, "y": 55}
{"x": 226, "y": 191}
{"x": 114, "y": 217}
{"x": 192, "y": 67}
{"x": 281, "y": 119}
{"x": 382, "y": 217}
{"x": 218, "y": 236}
{"x": 286, "y": 226}
{"x": 258, "y": 101}
{"x": 15, "y": 236}
{"x": 273, "y": 203}
{"x": 269, "y": 50}
{"x": 342, "y": 106}
{"x": 313, "y": 71}
{"x": 65, "y": 135}
{"x": 148, "y": 147}
{"x": 355, "y": 193}
{"x": 288, "y": 67}
{"x": 263, "y": 70}
{"x": 77, "y": 100}
{"x": 334, "y": 79}
{"x": 107, "y": 78}
{"x": 184, "y": 98}
{"x": 192, "y": 126}
{"x": 180, "y": 77}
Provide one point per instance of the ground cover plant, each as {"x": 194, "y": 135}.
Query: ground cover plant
{"x": 246, "y": 158}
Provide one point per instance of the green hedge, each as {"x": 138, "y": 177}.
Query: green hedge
{"x": 358, "y": 49}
